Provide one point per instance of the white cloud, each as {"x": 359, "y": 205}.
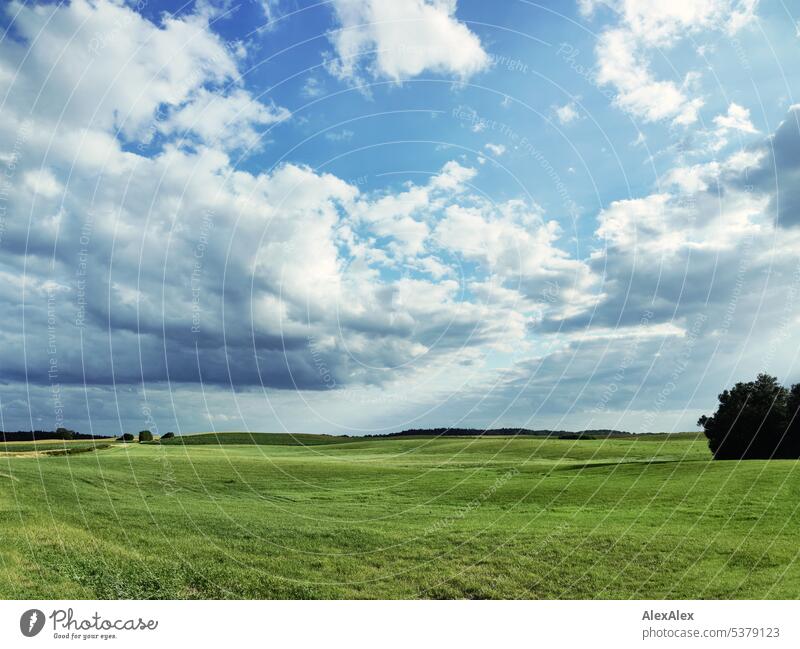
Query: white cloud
{"x": 566, "y": 113}
{"x": 123, "y": 74}
{"x": 693, "y": 179}
{"x": 661, "y": 225}
{"x": 226, "y": 121}
{"x": 453, "y": 176}
{"x": 404, "y": 217}
{"x": 339, "y": 136}
{"x": 398, "y": 39}
{"x": 623, "y": 51}
{"x": 587, "y": 7}
{"x": 43, "y": 182}
{"x": 312, "y": 88}
{"x": 661, "y": 24}
{"x": 660, "y": 330}
{"x": 628, "y": 224}
{"x": 518, "y": 247}
{"x": 495, "y": 149}
{"x": 740, "y": 161}
{"x": 269, "y": 7}
{"x": 736, "y": 119}
{"x": 621, "y": 64}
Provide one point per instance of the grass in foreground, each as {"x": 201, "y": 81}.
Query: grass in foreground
{"x": 409, "y": 518}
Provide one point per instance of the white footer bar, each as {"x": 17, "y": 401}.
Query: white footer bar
{"x": 406, "y": 625}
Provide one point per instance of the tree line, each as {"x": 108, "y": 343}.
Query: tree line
{"x": 67, "y": 434}
{"x": 505, "y": 432}
{"x": 36, "y": 435}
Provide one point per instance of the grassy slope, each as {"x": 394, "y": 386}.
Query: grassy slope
{"x": 400, "y": 518}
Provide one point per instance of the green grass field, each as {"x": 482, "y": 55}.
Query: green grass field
{"x": 399, "y": 518}
{"x": 53, "y": 446}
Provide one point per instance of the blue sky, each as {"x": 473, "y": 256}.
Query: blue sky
{"x": 362, "y": 216}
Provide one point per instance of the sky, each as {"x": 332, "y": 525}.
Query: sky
{"x": 363, "y": 216}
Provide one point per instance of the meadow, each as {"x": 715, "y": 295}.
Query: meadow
{"x": 316, "y": 517}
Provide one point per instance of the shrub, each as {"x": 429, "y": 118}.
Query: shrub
{"x": 126, "y": 437}
{"x": 145, "y": 436}
{"x": 168, "y": 436}
{"x": 755, "y": 420}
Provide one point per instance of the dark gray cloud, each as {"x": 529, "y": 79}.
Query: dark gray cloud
{"x": 778, "y": 174}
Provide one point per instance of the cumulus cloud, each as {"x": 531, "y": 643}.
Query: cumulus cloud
{"x": 624, "y": 50}
{"x": 154, "y": 259}
{"x": 228, "y": 121}
{"x": 400, "y": 39}
{"x": 661, "y": 24}
{"x": 737, "y": 119}
{"x": 621, "y": 64}
{"x": 102, "y": 66}
{"x": 519, "y": 249}
{"x": 662, "y": 224}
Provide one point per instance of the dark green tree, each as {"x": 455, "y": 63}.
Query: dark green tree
{"x": 65, "y": 433}
{"x": 168, "y": 436}
{"x": 792, "y": 441}
{"x": 145, "y": 436}
{"x": 126, "y": 437}
{"x": 753, "y": 421}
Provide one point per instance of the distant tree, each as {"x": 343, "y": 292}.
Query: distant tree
{"x": 126, "y": 437}
{"x": 145, "y": 436}
{"x": 64, "y": 433}
{"x": 168, "y": 436}
{"x": 753, "y": 420}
